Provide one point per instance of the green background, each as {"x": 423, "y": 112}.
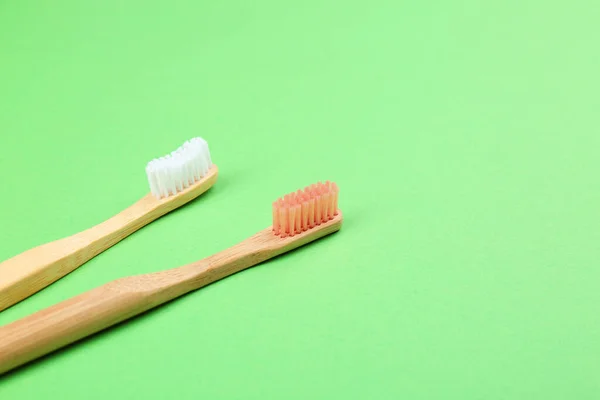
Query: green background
{"x": 463, "y": 135}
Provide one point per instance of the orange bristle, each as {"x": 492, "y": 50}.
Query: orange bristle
{"x": 298, "y": 212}
{"x": 276, "y": 228}
{"x": 318, "y": 208}
{"x": 303, "y": 209}
{"x": 283, "y": 219}
{"x": 311, "y": 212}
{"x": 326, "y": 206}
{"x": 304, "y": 214}
{"x": 335, "y": 198}
{"x": 292, "y": 219}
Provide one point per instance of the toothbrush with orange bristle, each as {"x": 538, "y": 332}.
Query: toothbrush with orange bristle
{"x": 298, "y": 218}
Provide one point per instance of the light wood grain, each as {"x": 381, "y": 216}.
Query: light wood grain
{"x": 100, "y": 308}
{"x": 34, "y": 269}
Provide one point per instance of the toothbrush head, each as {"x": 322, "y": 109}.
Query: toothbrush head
{"x": 179, "y": 170}
{"x": 305, "y": 209}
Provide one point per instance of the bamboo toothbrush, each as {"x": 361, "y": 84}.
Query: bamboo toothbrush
{"x": 174, "y": 180}
{"x": 298, "y": 218}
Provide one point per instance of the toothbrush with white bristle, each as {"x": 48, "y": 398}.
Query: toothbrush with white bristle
{"x": 174, "y": 180}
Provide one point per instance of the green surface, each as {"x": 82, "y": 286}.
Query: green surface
{"x": 464, "y": 136}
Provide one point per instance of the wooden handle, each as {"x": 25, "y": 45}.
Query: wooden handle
{"x": 74, "y": 319}
{"x": 34, "y": 269}
{"x": 100, "y": 308}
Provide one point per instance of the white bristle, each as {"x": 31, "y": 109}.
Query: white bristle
{"x": 177, "y": 171}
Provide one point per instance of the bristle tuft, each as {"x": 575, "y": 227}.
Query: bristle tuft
{"x": 304, "y": 209}
{"x": 179, "y": 170}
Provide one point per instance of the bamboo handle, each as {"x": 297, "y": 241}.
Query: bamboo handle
{"x": 34, "y": 269}
{"x": 73, "y": 319}
{"x": 67, "y": 322}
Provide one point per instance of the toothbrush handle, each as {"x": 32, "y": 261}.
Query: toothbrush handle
{"x": 28, "y": 272}
{"x": 67, "y": 322}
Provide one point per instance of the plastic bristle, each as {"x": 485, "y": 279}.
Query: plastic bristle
{"x": 180, "y": 169}
{"x": 298, "y": 213}
{"x": 304, "y": 209}
{"x": 311, "y": 213}
{"x": 318, "y": 209}
{"x": 283, "y": 219}
{"x": 276, "y": 228}
{"x": 304, "y": 215}
{"x": 335, "y": 189}
{"x": 292, "y": 221}
{"x": 330, "y": 209}
{"x": 325, "y": 206}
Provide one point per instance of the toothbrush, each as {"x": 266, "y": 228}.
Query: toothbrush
{"x": 174, "y": 180}
{"x": 298, "y": 218}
